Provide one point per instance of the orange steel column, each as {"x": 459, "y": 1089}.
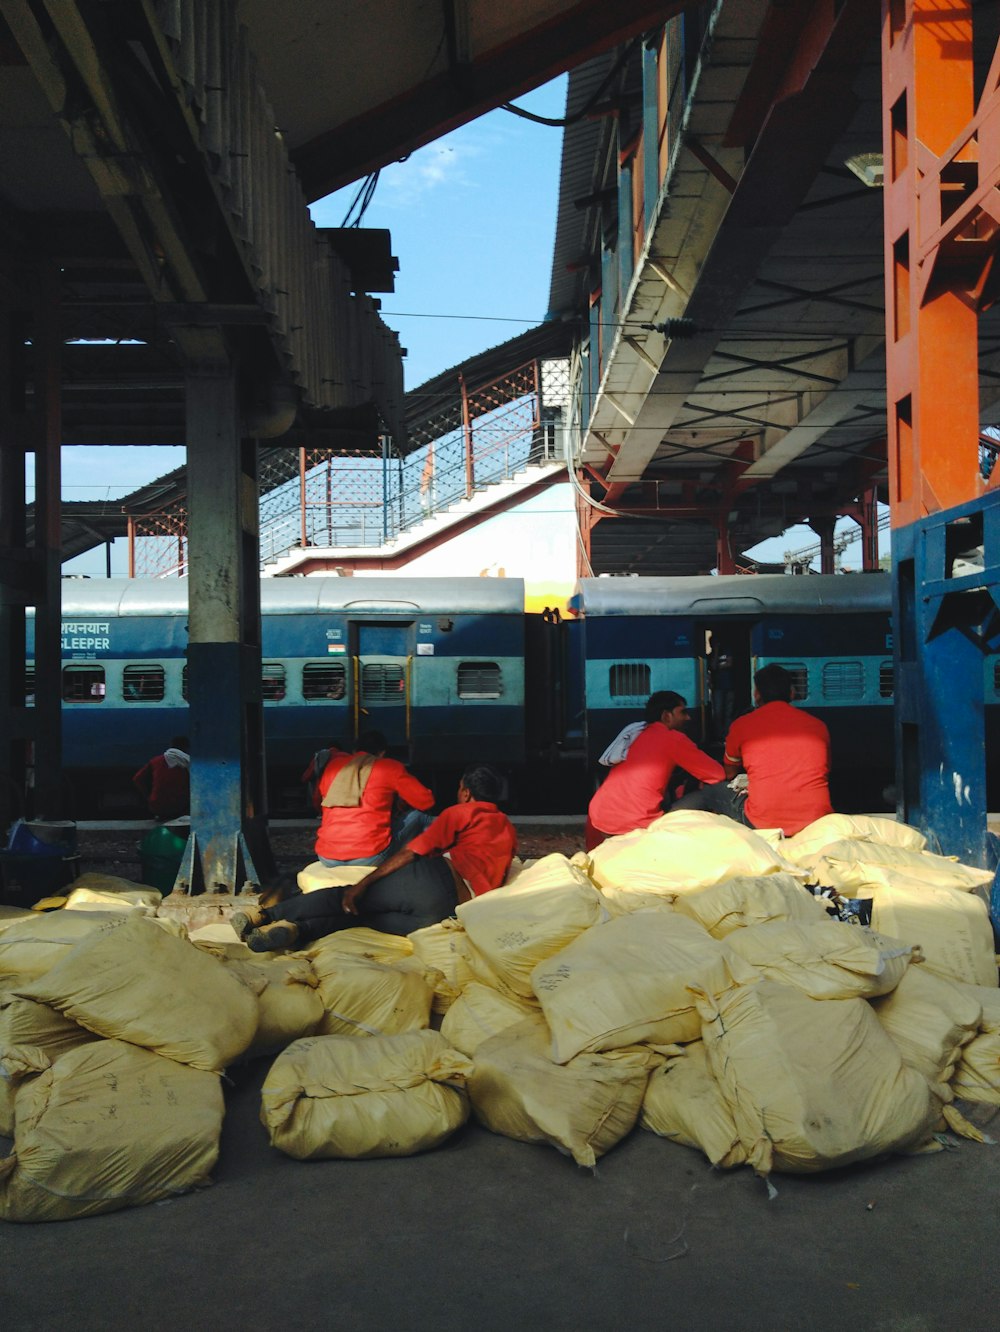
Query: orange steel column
{"x": 931, "y": 332}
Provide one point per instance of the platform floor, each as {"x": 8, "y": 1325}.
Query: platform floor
{"x": 486, "y": 1233}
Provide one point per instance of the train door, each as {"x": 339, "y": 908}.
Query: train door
{"x": 727, "y": 669}
{"x": 382, "y": 660}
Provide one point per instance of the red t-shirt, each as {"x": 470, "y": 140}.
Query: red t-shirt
{"x": 167, "y": 790}
{"x": 632, "y": 793}
{"x": 361, "y": 831}
{"x": 786, "y": 754}
{"x": 481, "y": 842}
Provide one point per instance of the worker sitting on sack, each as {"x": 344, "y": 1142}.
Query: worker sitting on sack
{"x": 361, "y": 799}
{"x": 466, "y": 851}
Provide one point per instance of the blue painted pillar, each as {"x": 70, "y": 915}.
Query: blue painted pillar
{"x": 946, "y": 620}
{"x": 228, "y": 814}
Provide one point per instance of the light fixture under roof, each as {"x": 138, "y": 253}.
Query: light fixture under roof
{"x": 869, "y": 168}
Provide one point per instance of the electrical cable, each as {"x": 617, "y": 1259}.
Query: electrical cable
{"x": 585, "y": 110}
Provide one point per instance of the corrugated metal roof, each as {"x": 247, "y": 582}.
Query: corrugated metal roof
{"x": 736, "y": 595}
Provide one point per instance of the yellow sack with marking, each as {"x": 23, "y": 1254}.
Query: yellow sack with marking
{"x": 109, "y": 1126}
{"x": 950, "y": 926}
{"x": 132, "y": 981}
{"x": 684, "y": 1103}
{"x": 629, "y": 981}
{"x": 582, "y": 1108}
{"x": 812, "y": 1083}
{"x": 334, "y": 1097}
{"x": 750, "y": 900}
{"x": 364, "y": 998}
{"x": 32, "y": 1035}
{"x": 480, "y": 1013}
{"x": 444, "y": 948}
{"x": 826, "y": 959}
{"x": 515, "y": 928}
{"x": 359, "y": 942}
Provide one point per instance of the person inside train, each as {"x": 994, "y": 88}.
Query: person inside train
{"x": 165, "y": 781}
{"x": 466, "y": 851}
{"x": 369, "y": 804}
{"x": 633, "y": 793}
{"x": 785, "y": 753}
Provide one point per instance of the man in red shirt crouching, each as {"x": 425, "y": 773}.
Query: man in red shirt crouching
{"x": 466, "y": 851}
{"x": 785, "y": 752}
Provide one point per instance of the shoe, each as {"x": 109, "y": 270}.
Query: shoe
{"x": 245, "y": 921}
{"x": 268, "y": 938}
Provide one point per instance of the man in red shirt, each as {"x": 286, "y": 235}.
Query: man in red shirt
{"x": 358, "y": 795}
{"x": 786, "y": 755}
{"x": 165, "y": 781}
{"x": 631, "y": 796}
{"x": 466, "y": 851}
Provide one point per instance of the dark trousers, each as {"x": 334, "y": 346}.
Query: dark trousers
{"x": 717, "y": 799}
{"x": 419, "y": 894}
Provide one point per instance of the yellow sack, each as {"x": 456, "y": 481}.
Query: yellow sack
{"x": 977, "y": 1077}
{"x": 361, "y": 941}
{"x": 363, "y": 998}
{"x": 480, "y": 1013}
{"x": 134, "y": 982}
{"x": 851, "y": 867}
{"x": 750, "y": 900}
{"x": 812, "y": 1084}
{"x": 30, "y": 947}
{"x": 684, "y": 1103}
{"x": 951, "y": 927}
{"x": 929, "y": 1019}
{"x": 826, "y": 959}
{"x": 582, "y": 1108}
{"x": 515, "y": 928}
{"x": 108, "y": 892}
{"x": 10, "y": 914}
{"x": 31, "y": 1036}
{"x": 109, "y": 1126}
{"x": 444, "y": 948}
{"x": 628, "y": 981}
{"x": 289, "y": 1003}
{"x": 851, "y": 827}
{"x": 317, "y": 875}
{"x": 331, "y": 1096}
{"x": 682, "y": 852}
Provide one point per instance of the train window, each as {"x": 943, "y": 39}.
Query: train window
{"x": 843, "y": 681}
{"x": 184, "y": 683}
{"x": 886, "y": 680}
{"x": 629, "y": 679}
{"x": 83, "y": 684}
{"x": 479, "y": 679}
{"x": 272, "y": 682}
{"x": 800, "y": 677}
{"x": 382, "y": 682}
{"x": 29, "y": 684}
{"x": 996, "y": 677}
{"x": 142, "y": 684}
{"x": 324, "y": 679}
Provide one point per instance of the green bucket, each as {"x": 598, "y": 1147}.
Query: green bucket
{"x": 160, "y": 854}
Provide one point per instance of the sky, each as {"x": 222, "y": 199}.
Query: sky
{"x": 472, "y": 219}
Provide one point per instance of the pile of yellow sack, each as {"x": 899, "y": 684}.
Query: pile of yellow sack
{"x": 683, "y": 977}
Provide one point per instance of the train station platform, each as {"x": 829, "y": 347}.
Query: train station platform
{"x": 492, "y": 1233}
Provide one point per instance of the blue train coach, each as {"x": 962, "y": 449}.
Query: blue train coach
{"x": 436, "y": 664}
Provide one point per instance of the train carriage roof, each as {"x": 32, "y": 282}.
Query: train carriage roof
{"x": 735, "y": 595}
{"x": 92, "y": 598}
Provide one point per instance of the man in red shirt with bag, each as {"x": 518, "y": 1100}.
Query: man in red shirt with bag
{"x": 785, "y": 752}
{"x": 464, "y": 852}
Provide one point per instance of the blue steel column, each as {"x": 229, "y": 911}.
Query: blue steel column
{"x": 227, "y": 787}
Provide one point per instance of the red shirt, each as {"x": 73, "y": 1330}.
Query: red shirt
{"x": 361, "y": 831}
{"x": 480, "y": 840}
{"x": 167, "y": 790}
{"x": 786, "y": 754}
{"x": 631, "y": 795}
